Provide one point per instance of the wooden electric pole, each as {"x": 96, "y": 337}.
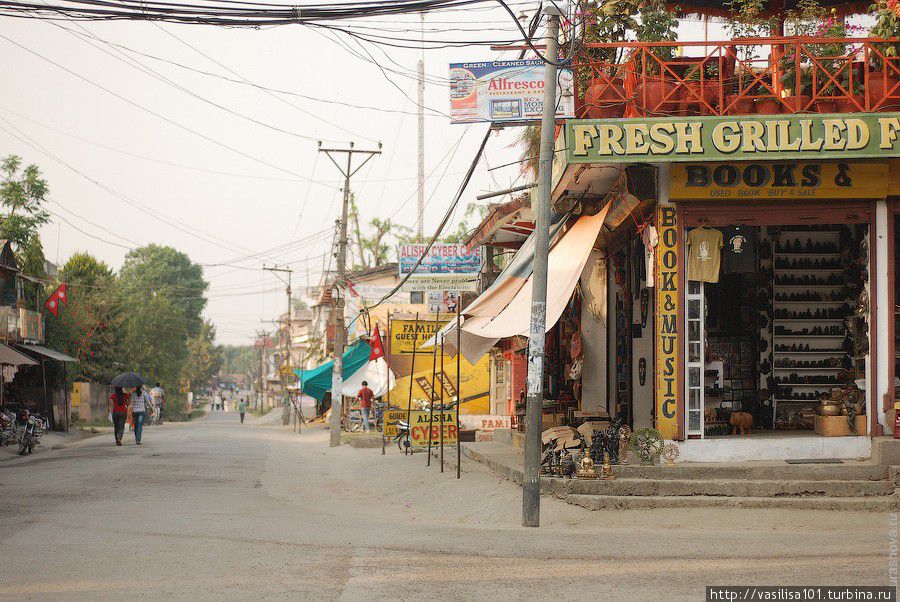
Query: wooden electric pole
{"x": 336, "y": 379}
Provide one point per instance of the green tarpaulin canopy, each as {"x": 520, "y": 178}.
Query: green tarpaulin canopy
{"x": 317, "y": 382}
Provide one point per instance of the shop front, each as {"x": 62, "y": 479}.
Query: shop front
{"x": 774, "y": 276}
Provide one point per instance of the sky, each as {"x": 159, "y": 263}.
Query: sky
{"x": 137, "y": 149}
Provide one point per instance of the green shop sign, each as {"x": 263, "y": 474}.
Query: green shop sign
{"x": 748, "y": 138}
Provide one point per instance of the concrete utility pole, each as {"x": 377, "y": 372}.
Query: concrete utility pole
{"x": 531, "y": 485}
{"x": 286, "y": 415}
{"x": 337, "y": 377}
{"x": 420, "y": 199}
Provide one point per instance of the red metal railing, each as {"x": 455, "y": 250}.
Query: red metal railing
{"x": 738, "y": 77}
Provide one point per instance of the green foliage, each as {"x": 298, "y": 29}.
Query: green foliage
{"x": 463, "y": 229}
{"x": 657, "y": 24}
{"x": 161, "y": 292}
{"x": 203, "y": 359}
{"x": 240, "y": 359}
{"x": 887, "y": 25}
{"x": 530, "y": 141}
{"x": 22, "y": 194}
{"x": 90, "y": 327}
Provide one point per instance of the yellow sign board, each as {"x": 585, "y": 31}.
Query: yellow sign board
{"x": 667, "y": 323}
{"x": 408, "y": 334}
{"x": 474, "y": 383}
{"x": 776, "y": 181}
{"x": 391, "y": 418}
{"x": 423, "y": 424}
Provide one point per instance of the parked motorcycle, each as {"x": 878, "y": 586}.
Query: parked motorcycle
{"x": 30, "y": 426}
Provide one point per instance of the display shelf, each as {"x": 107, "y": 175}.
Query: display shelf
{"x": 809, "y": 336}
{"x": 814, "y": 385}
{"x": 808, "y": 301}
{"x": 815, "y": 352}
{"x": 826, "y": 270}
{"x": 788, "y": 400}
{"x": 804, "y": 254}
{"x": 823, "y": 369}
{"x": 818, "y": 320}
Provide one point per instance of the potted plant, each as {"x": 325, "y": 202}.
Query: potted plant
{"x": 795, "y": 67}
{"x": 746, "y": 20}
{"x": 834, "y": 61}
{"x": 701, "y": 88}
{"x": 657, "y": 90}
{"x": 883, "y": 75}
{"x": 603, "y": 88}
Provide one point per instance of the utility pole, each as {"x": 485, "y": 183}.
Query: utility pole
{"x": 420, "y": 199}
{"x": 531, "y": 483}
{"x": 285, "y": 415}
{"x": 337, "y": 377}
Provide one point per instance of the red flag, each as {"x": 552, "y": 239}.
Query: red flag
{"x": 377, "y": 347}
{"x": 59, "y": 296}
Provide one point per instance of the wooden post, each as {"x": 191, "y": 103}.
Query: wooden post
{"x": 412, "y": 372}
{"x": 437, "y": 316}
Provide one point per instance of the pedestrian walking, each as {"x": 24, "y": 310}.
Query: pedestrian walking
{"x": 365, "y": 397}
{"x": 158, "y": 396}
{"x": 118, "y": 410}
{"x": 217, "y": 401}
{"x": 242, "y": 408}
{"x": 140, "y": 401}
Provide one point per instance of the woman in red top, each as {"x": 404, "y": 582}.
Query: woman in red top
{"x": 118, "y": 407}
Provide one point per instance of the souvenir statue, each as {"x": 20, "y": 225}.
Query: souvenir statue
{"x": 597, "y": 446}
{"x": 611, "y": 441}
{"x": 647, "y": 443}
{"x": 606, "y": 471}
{"x": 586, "y": 468}
{"x": 670, "y": 453}
{"x": 624, "y": 434}
{"x": 566, "y": 465}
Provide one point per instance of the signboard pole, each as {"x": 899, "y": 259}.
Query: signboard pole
{"x": 441, "y": 383}
{"x": 437, "y": 317}
{"x": 412, "y": 371}
{"x": 458, "y": 391}
{"x": 386, "y": 406}
{"x": 531, "y": 481}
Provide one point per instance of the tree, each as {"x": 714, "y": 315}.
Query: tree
{"x": 22, "y": 193}
{"x": 203, "y": 359}
{"x": 156, "y": 270}
{"x": 161, "y": 292}
{"x": 89, "y": 328}
{"x": 530, "y": 140}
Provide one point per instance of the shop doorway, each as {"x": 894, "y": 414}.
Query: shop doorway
{"x": 777, "y": 320}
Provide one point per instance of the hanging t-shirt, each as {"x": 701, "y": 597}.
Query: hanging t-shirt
{"x": 740, "y": 250}
{"x": 704, "y": 254}
{"x": 651, "y": 239}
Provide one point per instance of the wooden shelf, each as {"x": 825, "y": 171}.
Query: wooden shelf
{"x": 829, "y": 369}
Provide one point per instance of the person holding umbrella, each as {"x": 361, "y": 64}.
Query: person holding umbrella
{"x": 120, "y": 401}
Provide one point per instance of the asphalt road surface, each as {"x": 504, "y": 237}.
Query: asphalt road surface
{"x": 216, "y": 510}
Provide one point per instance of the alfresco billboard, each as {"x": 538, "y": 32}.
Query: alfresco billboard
{"x": 505, "y": 91}
{"x": 442, "y": 259}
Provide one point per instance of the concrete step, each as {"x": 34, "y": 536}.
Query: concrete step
{"x": 761, "y": 472}
{"x": 612, "y": 502}
{"x": 721, "y": 488}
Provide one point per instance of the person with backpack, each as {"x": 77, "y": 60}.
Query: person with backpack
{"x": 242, "y": 408}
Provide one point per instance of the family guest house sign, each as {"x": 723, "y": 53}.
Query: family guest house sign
{"x": 750, "y": 138}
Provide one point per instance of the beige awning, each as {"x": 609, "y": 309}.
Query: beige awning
{"x": 505, "y": 310}
{"x": 11, "y": 357}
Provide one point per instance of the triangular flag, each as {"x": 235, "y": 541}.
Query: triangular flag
{"x": 53, "y": 301}
{"x": 377, "y": 347}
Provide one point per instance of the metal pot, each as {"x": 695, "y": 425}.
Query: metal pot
{"x": 828, "y": 409}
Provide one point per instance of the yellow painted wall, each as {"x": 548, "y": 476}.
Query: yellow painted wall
{"x": 474, "y": 383}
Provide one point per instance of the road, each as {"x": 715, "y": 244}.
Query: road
{"x": 218, "y": 510}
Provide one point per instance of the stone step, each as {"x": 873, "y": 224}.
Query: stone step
{"x": 720, "y": 488}
{"x": 612, "y": 502}
{"x": 849, "y": 471}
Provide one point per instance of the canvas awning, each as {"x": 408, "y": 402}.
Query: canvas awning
{"x": 375, "y": 373}
{"x": 11, "y": 357}
{"x": 504, "y": 309}
{"x": 47, "y": 352}
{"x": 317, "y": 382}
